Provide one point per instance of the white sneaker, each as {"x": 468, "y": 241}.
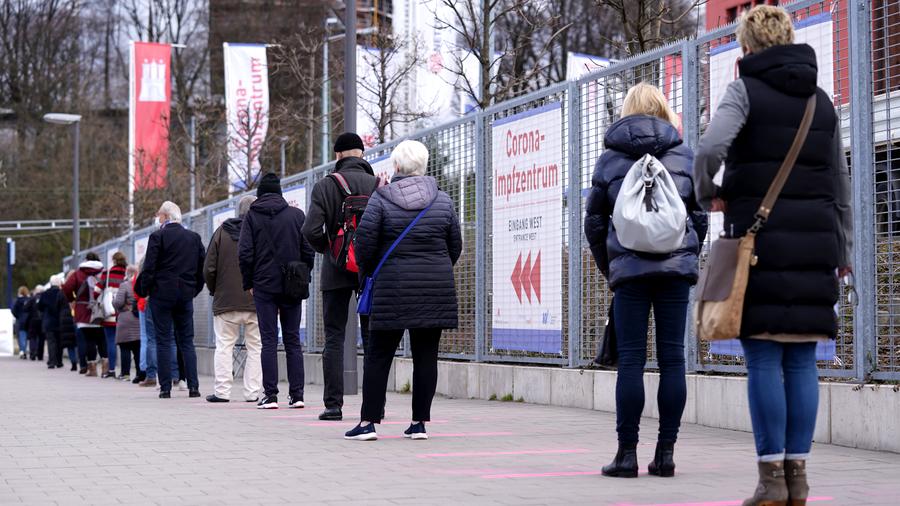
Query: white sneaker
{"x": 295, "y": 404}
{"x": 182, "y": 386}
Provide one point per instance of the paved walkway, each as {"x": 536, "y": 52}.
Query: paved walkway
{"x": 66, "y": 439}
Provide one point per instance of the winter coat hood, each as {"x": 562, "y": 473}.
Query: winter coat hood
{"x": 791, "y": 69}
{"x": 90, "y": 267}
{"x": 353, "y": 162}
{"x": 269, "y": 204}
{"x": 411, "y": 193}
{"x": 640, "y": 135}
{"x": 232, "y": 227}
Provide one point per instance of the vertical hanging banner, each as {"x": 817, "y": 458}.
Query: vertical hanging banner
{"x": 150, "y": 93}
{"x": 527, "y": 203}
{"x": 247, "y": 106}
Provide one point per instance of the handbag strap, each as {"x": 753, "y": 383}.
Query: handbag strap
{"x": 762, "y": 215}
{"x": 400, "y": 238}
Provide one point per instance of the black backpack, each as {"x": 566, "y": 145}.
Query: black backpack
{"x": 341, "y": 247}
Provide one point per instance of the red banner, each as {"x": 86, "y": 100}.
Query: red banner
{"x": 150, "y": 95}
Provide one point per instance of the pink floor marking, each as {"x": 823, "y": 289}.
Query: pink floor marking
{"x": 540, "y": 475}
{"x": 338, "y": 422}
{"x": 715, "y": 503}
{"x": 500, "y": 453}
{"x": 458, "y": 434}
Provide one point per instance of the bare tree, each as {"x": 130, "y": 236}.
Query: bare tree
{"x": 501, "y": 61}
{"x": 245, "y": 143}
{"x": 647, "y": 24}
{"x": 390, "y": 63}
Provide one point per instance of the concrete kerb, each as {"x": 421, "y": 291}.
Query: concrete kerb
{"x": 858, "y": 416}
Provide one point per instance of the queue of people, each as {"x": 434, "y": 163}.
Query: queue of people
{"x": 393, "y": 244}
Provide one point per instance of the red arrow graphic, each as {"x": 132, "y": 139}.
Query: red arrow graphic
{"x": 536, "y": 276}
{"x": 526, "y": 277}
{"x": 516, "y": 275}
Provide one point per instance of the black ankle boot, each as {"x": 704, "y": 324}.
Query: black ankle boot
{"x": 664, "y": 460}
{"x": 625, "y": 465}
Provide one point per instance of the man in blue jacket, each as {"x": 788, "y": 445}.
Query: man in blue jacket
{"x": 172, "y": 277}
{"x": 270, "y": 240}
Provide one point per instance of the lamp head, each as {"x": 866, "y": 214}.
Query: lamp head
{"x": 61, "y": 118}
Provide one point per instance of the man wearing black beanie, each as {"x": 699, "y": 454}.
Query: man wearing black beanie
{"x": 270, "y": 241}
{"x": 337, "y": 282}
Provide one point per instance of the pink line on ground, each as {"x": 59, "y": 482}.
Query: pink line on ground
{"x": 460, "y": 434}
{"x": 539, "y": 475}
{"x": 338, "y": 422}
{"x": 715, "y": 503}
{"x": 499, "y": 453}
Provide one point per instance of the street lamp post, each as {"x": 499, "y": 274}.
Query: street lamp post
{"x": 74, "y": 120}
{"x": 350, "y": 66}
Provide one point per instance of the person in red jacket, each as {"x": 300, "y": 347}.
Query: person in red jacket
{"x": 78, "y": 290}
{"x": 110, "y": 280}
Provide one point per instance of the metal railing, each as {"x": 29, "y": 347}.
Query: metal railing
{"x": 690, "y": 74}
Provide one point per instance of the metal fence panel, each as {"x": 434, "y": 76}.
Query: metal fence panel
{"x": 865, "y": 65}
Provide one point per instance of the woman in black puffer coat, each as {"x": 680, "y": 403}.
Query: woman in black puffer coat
{"x": 415, "y": 289}
{"x": 643, "y": 280}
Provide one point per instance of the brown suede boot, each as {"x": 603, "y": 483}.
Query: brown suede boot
{"x": 798, "y": 488}
{"x": 772, "y": 488}
{"x": 104, "y": 367}
{"x": 92, "y": 369}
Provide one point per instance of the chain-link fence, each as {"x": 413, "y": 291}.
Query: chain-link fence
{"x": 525, "y": 255}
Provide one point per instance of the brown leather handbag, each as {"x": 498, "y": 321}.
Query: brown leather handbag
{"x": 719, "y": 304}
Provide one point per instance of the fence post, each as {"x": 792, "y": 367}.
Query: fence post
{"x": 862, "y": 167}
{"x": 690, "y": 121}
{"x": 210, "y": 335}
{"x": 573, "y": 204}
{"x": 480, "y": 237}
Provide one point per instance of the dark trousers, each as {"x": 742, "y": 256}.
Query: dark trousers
{"x": 94, "y": 341}
{"x": 81, "y": 346}
{"x": 335, "y": 306}
{"x": 36, "y": 345}
{"x": 379, "y": 356}
{"x": 131, "y": 349}
{"x": 668, "y": 297}
{"x": 54, "y": 352}
{"x": 73, "y": 356}
{"x": 173, "y": 321}
{"x": 268, "y": 309}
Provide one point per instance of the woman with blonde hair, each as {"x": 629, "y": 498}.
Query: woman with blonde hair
{"x": 793, "y": 287}
{"x": 643, "y": 280}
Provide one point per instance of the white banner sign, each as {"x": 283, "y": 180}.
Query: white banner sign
{"x": 296, "y": 197}
{"x": 220, "y": 217}
{"x": 7, "y": 338}
{"x": 527, "y": 200}
{"x": 817, "y": 31}
{"x": 383, "y": 167}
{"x": 247, "y": 104}
{"x": 140, "y": 249}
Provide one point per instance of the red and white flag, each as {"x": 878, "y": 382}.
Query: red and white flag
{"x": 149, "y": 109}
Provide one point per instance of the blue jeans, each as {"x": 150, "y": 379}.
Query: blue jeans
{"x": 173, "y": 321}
{"x": 23, "y": 341}
{"x": 110, "y": 333}
{"x": 148, "y": 343}
{"x": 783, "y": 389}
{"x": 668, "y": 297}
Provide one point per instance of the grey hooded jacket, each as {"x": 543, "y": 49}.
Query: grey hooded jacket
{"x": 415, "y": 288}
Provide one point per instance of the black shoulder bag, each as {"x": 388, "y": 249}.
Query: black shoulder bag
{"x": 294, "y": 274}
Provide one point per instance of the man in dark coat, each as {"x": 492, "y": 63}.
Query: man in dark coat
{"x": 233, "y": 309}
{"x": 172, "y": 277}
{"x": 337, "y": 283}
{"x": 270, "y": 240}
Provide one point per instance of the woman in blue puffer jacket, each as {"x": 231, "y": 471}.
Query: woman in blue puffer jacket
{"x": 644, "y": 280}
